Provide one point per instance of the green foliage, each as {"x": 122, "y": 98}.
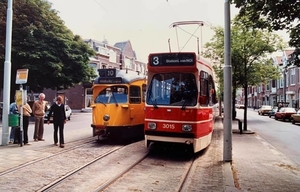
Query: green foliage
{"x": 274, "y": 15}
{"x": 55, "y": 57}
{"x": 249, "y": 52}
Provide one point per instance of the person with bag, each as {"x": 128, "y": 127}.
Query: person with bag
{"x": 13, "y": 109}
{"x": 59, "y": 119}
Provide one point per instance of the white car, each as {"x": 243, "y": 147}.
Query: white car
{"x": 68, "y": 111}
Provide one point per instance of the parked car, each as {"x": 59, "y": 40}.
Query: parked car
{"x": 68, "y": 111}
{"x": 264, "y": 109}
{"x": 240, "y": 106}
{"x": 273, "y": 111}
{"x": 285, "y": 113}
{"x": 295, "y": 118}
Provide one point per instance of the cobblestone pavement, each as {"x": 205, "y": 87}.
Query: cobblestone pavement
{"x": 256, "y": 165}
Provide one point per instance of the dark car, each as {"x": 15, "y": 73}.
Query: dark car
{"x": 273, "y": 111}
{"x": 285, "y": 113}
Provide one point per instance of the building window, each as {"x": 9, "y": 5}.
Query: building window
{"x": 287, "y": 79}
{"x": 112, "y": 56}
{"x": 292, "y": 80}
{"x": 127, "y": 63}
{"x": 298, "y": 74}
{"x": 273, "y": 83}
{"x": 281, "y": 82}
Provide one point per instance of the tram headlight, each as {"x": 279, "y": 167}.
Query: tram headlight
{"x": 106, "y": 117}
{"x": 186, "y": 127}
{"x": 151, "y": 125}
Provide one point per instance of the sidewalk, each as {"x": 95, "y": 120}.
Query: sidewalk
{"x": 258, "y": 166}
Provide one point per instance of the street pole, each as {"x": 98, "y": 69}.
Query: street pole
{"x": 21, "y": 116}
{"x": 284, "y": 86}
{"x": 7, "y": 74}
{"x": 227, "y": 153}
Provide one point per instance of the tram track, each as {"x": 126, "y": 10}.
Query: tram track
{"x": 74, "y": 145}
{"x": 42, "y": 172}
{"x": 55, "y": 183}
{"x": 102, "y": 171}
{"x": 188, "y": 176}
{"x": 163, "y": 171}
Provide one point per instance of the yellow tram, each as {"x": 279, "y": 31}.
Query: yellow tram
{"x": 118, "y": 104}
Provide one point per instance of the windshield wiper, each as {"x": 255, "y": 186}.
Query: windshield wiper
{"x": 188, "y": 99}
{"x": 155, "y": 104}
{"x": 115, "y": 98}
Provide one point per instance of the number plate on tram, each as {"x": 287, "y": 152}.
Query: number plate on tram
{"x": 168, "y": 126}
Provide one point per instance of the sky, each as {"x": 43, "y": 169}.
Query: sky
{"x": 146, "y": 23}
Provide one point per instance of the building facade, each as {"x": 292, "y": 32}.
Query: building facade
{"x": 285, "y": 89}
{"x": 120, "y": 55}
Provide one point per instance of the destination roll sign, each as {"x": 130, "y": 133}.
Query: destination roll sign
{"x": 108, "y": 76}
{"x": 107, "y": 72}
{"x": 172, "y": 59}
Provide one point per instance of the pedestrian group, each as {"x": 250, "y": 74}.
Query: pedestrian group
{"x": 38, "y": 111}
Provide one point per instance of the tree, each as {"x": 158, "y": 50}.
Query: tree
{"x": 55, "y": 57}
{"x": 249, "y": 55}
{"x": 275, "y": 15}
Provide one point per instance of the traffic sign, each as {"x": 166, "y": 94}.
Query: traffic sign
{"x": 22, "y": 75}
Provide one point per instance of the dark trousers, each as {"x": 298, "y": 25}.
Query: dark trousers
{"x": 38, "y": 128}
{"x": 59, "y": 126}
{"x": 25, "y": 128}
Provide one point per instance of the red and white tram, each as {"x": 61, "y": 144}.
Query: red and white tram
{"x": 180, "y": 99}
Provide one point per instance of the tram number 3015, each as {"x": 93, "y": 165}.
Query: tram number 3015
{"x": 168, "y": 126}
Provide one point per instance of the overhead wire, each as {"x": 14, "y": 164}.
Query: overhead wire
{"x": 176, "y": 18}
{"x": 100, "y": 5}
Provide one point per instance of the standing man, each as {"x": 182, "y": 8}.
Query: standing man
{"x": 38, "y": 110}
{"x": 59, "y": 119}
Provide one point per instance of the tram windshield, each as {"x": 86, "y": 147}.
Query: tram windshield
{"x": 176, "y": 89}
{"x": 113, "y": 94}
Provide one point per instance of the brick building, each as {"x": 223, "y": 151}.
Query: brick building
{"x": 284, "y": 89}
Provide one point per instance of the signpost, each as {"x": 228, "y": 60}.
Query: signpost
{"x": 227, "y": 141}
{"x": 7, "y": 72}
{"x": 21, "y": 78}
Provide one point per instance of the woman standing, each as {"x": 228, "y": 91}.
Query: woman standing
{"x": 59, "y": 119}
{"x": 26, "y": 115}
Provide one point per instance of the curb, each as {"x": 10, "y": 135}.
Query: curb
{"x": 228, "y": 181}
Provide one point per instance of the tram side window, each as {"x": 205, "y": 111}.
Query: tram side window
{"x": 204, "y": 93}
{"x": 135, "y": 94}
{"x": 212, "y": 92}
{"x": 144, "y": 89}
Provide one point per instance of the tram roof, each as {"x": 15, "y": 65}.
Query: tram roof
{"x": 127, "y": 76}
